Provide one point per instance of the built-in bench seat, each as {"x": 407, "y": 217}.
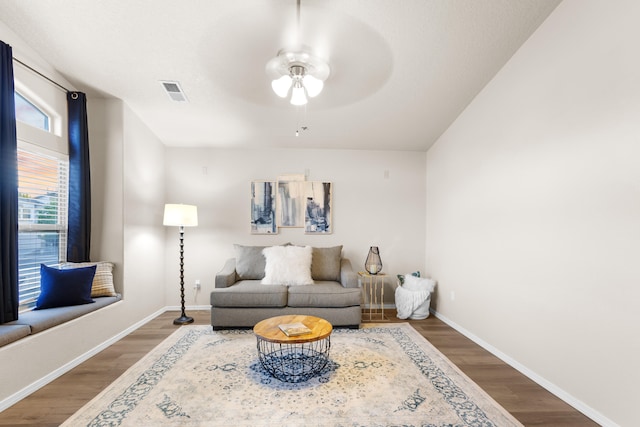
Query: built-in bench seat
{"x": 32, "y": 322}
{"x": 11, "y": 333}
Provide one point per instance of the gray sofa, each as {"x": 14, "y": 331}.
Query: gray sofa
{"x": 240, "y": 299}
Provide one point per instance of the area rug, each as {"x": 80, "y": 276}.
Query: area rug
{"x": 379, "y": 375}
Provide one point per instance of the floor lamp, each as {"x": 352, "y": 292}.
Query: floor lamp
{"x": 181, "y": 216}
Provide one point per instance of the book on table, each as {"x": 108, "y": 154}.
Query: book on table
{"x": 294, "y": 329}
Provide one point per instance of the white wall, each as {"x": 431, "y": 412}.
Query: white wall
{"x": 106, "y": 149}
{"x": 127, "y": 190}
{"x": 368, "y": 209}
{"x": 144, "y": 156}
{"x": 533, "y": 209}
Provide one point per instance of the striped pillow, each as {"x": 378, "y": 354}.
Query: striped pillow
{"x": 102, "y": 281}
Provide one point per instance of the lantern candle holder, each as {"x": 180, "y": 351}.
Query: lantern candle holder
{"x": 373, "y": 263}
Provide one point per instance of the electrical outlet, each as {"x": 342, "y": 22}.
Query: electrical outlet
{"x": 453, "y": 295}
{"x": 197, "y": 285}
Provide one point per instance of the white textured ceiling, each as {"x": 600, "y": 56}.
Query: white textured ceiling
{"x": 401, "y": 71}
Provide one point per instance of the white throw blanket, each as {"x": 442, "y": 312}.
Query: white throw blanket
{"x": 408, "y": 301}
{"x": 415, "y": 292}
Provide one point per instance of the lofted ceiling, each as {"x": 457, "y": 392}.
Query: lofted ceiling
{"x": 401, "y": 71}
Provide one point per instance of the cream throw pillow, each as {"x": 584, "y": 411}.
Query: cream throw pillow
{"x": 102, "y": 285}
{"x": 287, "y": 265}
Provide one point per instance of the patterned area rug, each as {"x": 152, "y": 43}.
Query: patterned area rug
{"x": 379, "y": 375}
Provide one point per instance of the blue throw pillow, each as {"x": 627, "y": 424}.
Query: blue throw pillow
{"x": 60, "y": 288}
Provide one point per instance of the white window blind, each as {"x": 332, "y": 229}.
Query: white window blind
{"x": 42, "y": 218}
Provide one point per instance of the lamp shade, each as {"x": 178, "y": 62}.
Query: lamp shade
{"x": 185, "y": 215}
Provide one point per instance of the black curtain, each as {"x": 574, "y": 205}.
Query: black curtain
{"x": 8, "y": 190}
{"x": 79, "y": 215}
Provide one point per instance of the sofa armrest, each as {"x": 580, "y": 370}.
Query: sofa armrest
{"x": 348, "y": 277}
{"x": 227, "y": 276}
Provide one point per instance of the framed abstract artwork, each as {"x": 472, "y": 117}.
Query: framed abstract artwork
{"x": 290, "y": 204}
{"x": 263, "y": 207}
{"x": 317, "y": 207}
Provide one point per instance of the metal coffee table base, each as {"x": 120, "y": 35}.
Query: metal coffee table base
{"x": 294, "y": 362}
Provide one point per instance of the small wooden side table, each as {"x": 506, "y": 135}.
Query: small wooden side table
{"x": 372, "y": 287}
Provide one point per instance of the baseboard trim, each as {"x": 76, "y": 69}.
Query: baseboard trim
{"x": 552, "y": 388}
{"x": 36, "y": 385}
{"x": 187, "y": 308}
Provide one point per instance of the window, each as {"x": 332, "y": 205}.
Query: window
{"x": 42, "y": 197}
{"x": 42, "y": 226}
{"x": 28, "y": 113}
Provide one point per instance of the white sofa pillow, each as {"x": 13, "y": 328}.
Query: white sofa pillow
{"x": 287, "y": 265}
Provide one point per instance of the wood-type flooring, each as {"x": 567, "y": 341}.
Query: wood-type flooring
{"x": 54, "y": 403}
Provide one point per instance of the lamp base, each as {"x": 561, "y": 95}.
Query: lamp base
{"x": 183, "y": 320}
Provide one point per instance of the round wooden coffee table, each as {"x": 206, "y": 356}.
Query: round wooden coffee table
{"x": 293, "y": 358}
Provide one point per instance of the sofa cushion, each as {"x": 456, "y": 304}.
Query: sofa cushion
{"x": 102, "y": 285}
{"x": 60, "y": 288}
{"x": 250, "y": 262}
{"x": 325, "y": 263}
{"x": 249, "y": 293}
{"x": 324, "y": 294}
{"x": 288, "y": 265}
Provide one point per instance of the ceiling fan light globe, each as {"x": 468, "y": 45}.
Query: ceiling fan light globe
{"x": 298, "y": 97}
{"x": 314, "y": 86}
{"x": 281, "y": 86}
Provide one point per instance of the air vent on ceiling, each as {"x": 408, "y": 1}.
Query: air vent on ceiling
{"x": 174, "y": 90}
